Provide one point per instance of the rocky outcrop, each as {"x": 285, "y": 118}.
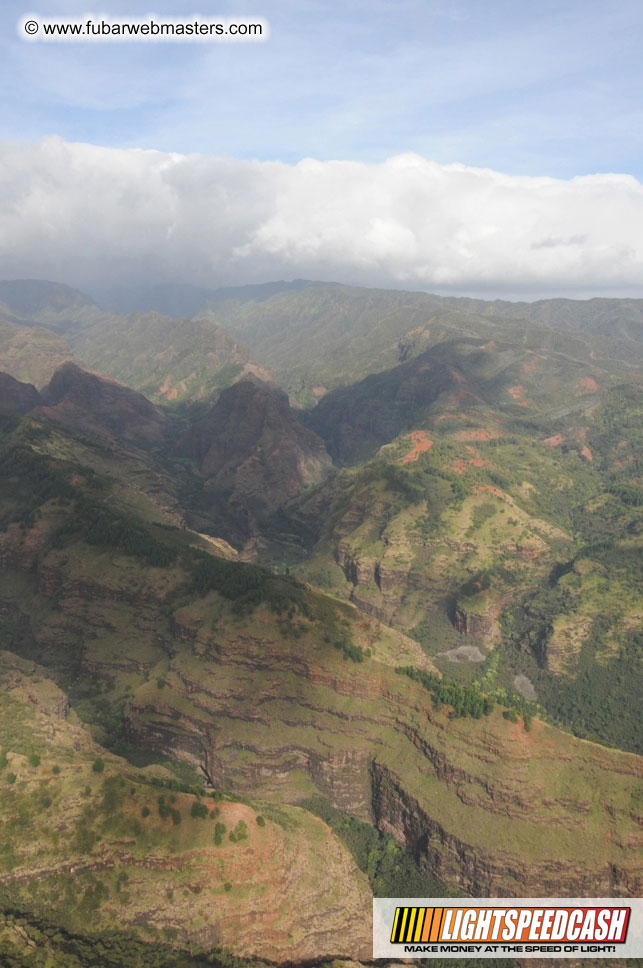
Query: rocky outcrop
{"x": 481, "y": 621}
{"x": 251, "y": 448}
{"x": 357, "y": 570}
{"x": 382, "y": 588}
{"x": 473, "y": 623}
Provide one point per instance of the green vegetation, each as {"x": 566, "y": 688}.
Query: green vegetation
{"x": 245, "y": 585}
{"x": 340, "y": 639}
{"x": 392, "y": 872}
{"x": 240, "y": 832}
{"x": 101, "y": 527}
{"x": 583, "y": 617}
{"x": 463, "y": 700}
{"x": 323, "y": 333}
{"x": 166, "y": 811}
{"x": 33, "y": 942}
{"x": 482, "y": 512}
{"x": 198, "y": 356}
{"x": 40, "y": 482}
{"x": 600, "y": 701}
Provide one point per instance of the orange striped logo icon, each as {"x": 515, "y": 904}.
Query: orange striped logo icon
{"x": 417, "y": 924}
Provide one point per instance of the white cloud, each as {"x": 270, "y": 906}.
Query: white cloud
{"x": 97, "y": 217}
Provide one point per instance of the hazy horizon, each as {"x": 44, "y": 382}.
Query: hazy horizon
{"x": 118, "y": 299}
{"x": 104, "y": 218}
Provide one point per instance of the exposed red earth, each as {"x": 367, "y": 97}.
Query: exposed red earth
{"x": 421, "y": 444}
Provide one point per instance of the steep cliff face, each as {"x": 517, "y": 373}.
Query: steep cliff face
{"x": 486, "y": 805}
{"x": 478, "y": 617}
{"x": 481, "y": 873}
{"x": 356, "y": 420}
{"x": 357, "y": 570}
{"x": 265, "y": 705}
{"x": 251, "y": 447}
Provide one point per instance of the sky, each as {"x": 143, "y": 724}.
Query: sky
{"x": 464, "y": 146}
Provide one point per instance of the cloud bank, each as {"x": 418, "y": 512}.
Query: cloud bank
{"x": 102, "y": 217}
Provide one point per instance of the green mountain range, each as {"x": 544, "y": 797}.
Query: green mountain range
{"x": 309, "y": 593}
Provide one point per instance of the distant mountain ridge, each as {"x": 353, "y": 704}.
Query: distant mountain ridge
{"x": 316, "y": 336}
{"x": 31, "y": 353}
{"x": 454, "y": 377}
{"x": 169, "y": 360}
{"x": 49, "y": 304}
{"x": 184, "y": 342}
{"x": 88, "y": 403}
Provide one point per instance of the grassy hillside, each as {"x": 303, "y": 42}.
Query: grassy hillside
{"x": 313, "y": 336}
{"x": 460, "y": 379}
{"x": 277, "y": 692}
{"x": 31, "y": 354}
{"x": 318, "y": 336}
{"x": 612, "y": 327}
{"x": 499, "y": 523}
{"x": 324, "y": 335}
{"x": 89, "y": 839}
{"x": 168, "y": 360}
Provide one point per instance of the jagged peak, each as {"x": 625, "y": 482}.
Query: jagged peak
{"x": 17, "y": 397}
